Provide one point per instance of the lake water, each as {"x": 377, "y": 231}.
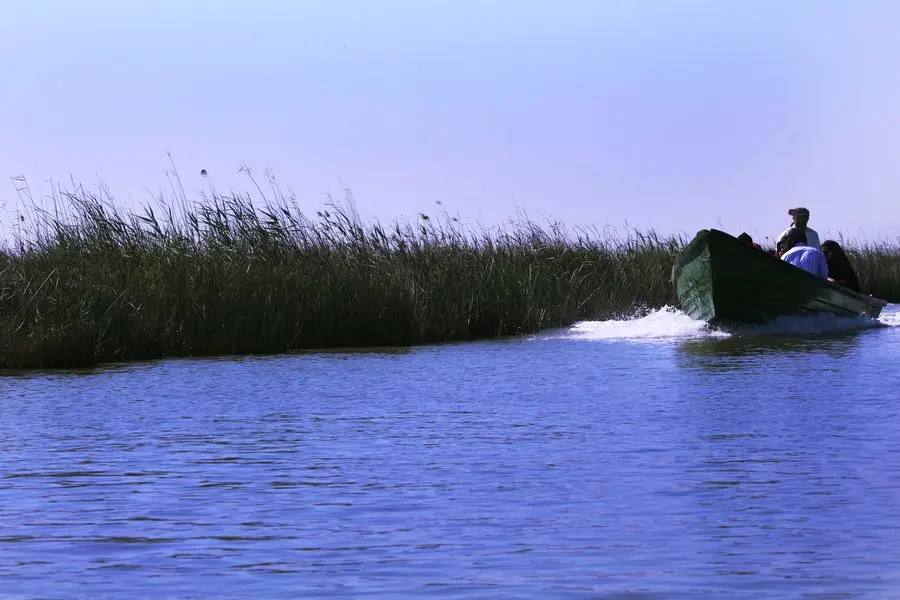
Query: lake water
{"x": 646, "y": 458}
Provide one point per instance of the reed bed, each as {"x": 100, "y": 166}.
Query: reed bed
{"x": 877, "y": 265}
{"x": 89, "y": 283}
{"x": 226, "y": 275}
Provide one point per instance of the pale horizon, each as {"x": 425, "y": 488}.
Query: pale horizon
{"x": 647, "y": 115}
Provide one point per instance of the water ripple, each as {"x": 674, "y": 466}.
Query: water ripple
{"x": 554, "y": 467}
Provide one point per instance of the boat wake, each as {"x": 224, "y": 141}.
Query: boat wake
{"x": 890, "y": 315}
{"x": 671, "y": 323}
{"x": 665, "y": 323}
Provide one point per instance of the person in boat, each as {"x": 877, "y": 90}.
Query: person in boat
{"x": 745, "y": 237}
{"x": 840, "y": 270}
{"x": 796, "y": 251}
{"x": 799, "y": 220}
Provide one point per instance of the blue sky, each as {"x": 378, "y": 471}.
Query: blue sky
{"x": 672, "y": 115}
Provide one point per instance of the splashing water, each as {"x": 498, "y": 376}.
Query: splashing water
{"x": 890, "y": 315}
{"x": 671, "y": 323}
{"x": 665, "y": 323}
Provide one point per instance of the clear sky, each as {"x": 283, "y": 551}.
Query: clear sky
{"x": 675, "y": 115}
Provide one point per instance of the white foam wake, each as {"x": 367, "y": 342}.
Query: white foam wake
{"x": 890, "y": 315}
{"x": 665, "y": 323}
{"x": 670, "y": 323}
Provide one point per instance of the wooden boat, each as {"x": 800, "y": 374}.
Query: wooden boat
{"x": 721, "y": 280}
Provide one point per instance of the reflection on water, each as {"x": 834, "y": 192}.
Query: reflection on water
{"x": 722, "y": 352}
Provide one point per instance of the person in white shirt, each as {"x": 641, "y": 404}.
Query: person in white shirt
{"x": 800, "y": 254}
{"x": 799, "y": 220}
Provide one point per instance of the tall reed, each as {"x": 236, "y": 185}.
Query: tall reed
{"x": 91, "y": 284}
{"x": 877, "y": 265}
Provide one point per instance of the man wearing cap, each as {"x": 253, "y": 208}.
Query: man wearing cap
{"x": 799, "y": 220}
{"x": 804, "y": 255}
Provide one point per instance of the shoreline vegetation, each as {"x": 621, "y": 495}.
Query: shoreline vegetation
{"x": 89, "y": 284}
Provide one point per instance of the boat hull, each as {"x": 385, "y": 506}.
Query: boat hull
{"x": 721, "y": 280}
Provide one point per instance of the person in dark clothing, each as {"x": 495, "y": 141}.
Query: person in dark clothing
{"x": 840, "y": 270}
{"x": 745, "y": 237}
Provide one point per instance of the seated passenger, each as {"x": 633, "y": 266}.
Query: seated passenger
{"x": 840, "y": 270}
{"x": 800, "y": 254}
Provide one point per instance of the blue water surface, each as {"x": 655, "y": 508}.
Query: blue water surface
{"x": 634, "y": 459}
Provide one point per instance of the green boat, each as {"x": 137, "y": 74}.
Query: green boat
{"x": 724, "y": 281}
